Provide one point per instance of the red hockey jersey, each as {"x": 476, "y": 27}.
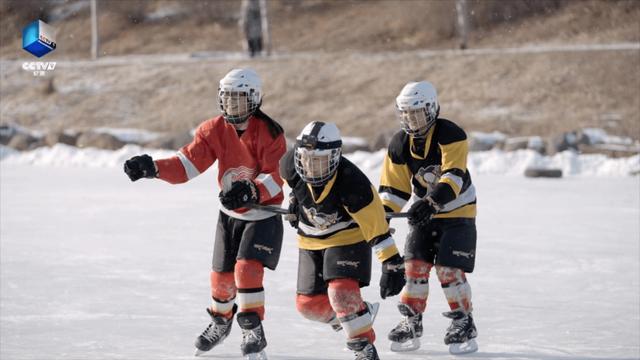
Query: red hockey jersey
{"x": 254, "y": 155}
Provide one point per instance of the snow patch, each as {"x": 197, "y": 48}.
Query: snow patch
{"x": 487, "y": 162}
{"x": 129, "y": 135}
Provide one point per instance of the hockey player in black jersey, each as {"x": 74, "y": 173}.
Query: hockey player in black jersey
{"x": 340, "y": 218}
{"x": 427, "y": 161}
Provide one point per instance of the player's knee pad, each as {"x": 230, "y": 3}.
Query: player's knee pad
{"x": 223, "y": 292}
{"x": 344, "y": 296}
{"x": 248, "y": 276}
{"x": 456, "y": 288}
{"x": 223, "y": 286}
{"x": 248, "y": 273}
{"x": 315, "y": 307}
{"x": 416, "y": 290}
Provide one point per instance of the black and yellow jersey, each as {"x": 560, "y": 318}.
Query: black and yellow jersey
{"x": 345, "y": 211}
{"x": 435, "y": 165}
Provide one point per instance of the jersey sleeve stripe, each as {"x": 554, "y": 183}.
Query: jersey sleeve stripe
{"x": 385, "y": 248}
{"x": 269, "y": 183}
{"x": 454, "y": 181}
{"x": 189, "y": 168}
{"x": 393, "y": 201}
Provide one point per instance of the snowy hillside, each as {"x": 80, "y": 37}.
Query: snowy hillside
{"x": 96, "y": 267}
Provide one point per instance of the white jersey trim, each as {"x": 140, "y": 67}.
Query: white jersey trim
{"x": 464, "y": 198}
{"x": 382, "y": 245}
{"x": 455, "y": 178}
{"x": 393, "y": 198}
{"x": 310, "y": 230}
{"x": 189, "y": 168}
{"x": 251, "y": 215}
{"x": 269, "y": 183}
{"x": 468, "y": 196}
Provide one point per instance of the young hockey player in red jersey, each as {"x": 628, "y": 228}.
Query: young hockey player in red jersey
{"x": 248, "y": 145}
{"x": 340, "y": 219}
{"x": 429, "y": 160}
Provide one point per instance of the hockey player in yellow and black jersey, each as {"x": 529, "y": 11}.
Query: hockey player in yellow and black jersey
{"x": 340, "y": 219}
{"x": 427, "y": 161}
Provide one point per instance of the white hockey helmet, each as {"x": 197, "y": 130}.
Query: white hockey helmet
{"x": 239, "y": 95}
{"x": 317, "y": 152}
{"x": 417, "y": 107}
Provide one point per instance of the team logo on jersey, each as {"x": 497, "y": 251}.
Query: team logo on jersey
{"x": 428, "y": 176}
{"x": 320, "y": 220}
{"x": 236, "y": 174}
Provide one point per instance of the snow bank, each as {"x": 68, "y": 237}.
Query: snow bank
{"x": 65, "y": 155}
{"x": 128, "y": 135}
{"x": 486, "y": 162}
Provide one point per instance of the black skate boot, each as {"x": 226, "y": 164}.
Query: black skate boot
{"x": 215, "y": 333}
{"x": 363, "y": 349}
{"x": 461, "y": 333}
{"x": 406, "y": 335}
{"x": 253, "y": 340}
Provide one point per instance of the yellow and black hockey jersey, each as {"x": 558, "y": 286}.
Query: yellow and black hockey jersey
{"x": 345, "y": 211}
{"x": 435, "y": 165}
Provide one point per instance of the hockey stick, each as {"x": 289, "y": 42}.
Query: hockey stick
{"x": 285, "y": 212}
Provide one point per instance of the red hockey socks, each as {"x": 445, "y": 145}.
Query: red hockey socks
{"x": 345, "y": 299}
{"x": 249, "y": 275}
{"x": 456, "y": 289}
{"x": 223, "y": 292}
{"x": 416, "y": 291}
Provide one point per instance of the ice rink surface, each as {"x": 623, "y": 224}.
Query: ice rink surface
{"x": 96, "y": 267}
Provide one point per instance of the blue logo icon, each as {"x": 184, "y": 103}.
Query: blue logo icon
{"x": 38, "y": 38}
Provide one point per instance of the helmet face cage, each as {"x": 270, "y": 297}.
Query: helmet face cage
{"x": 237, "y": 106}
{"x": 316, "y": 167}
{"x": 417, "y": 121}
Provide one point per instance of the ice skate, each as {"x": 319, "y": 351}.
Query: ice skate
{"x": 253, "y": 339}
{"x": 363, "y": 349}
{"x": 461, "y": 333}
{"x": 215, "y": 333}
{"x": 406, "y": 335}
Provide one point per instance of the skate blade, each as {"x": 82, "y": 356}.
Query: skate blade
{"x": 199, "y": 352}
{"x": 409, "y": 345}
{"x": 256, "y": 356}
{"x": 463, "y": 348}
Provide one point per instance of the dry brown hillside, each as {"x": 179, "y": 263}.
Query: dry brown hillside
{"x": 348, "y": 61}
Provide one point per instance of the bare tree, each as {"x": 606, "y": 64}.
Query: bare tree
{"x": 94, "y": 30}
{"x": 463, "y": 22}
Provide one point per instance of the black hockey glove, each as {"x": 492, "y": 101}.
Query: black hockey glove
{"x": 421, "y": 212}
{"x": 242, "y": 193}
{"x": 293, "y": 211}
{"x": 392, "y": 280}
{"x": 140, "y": 166}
